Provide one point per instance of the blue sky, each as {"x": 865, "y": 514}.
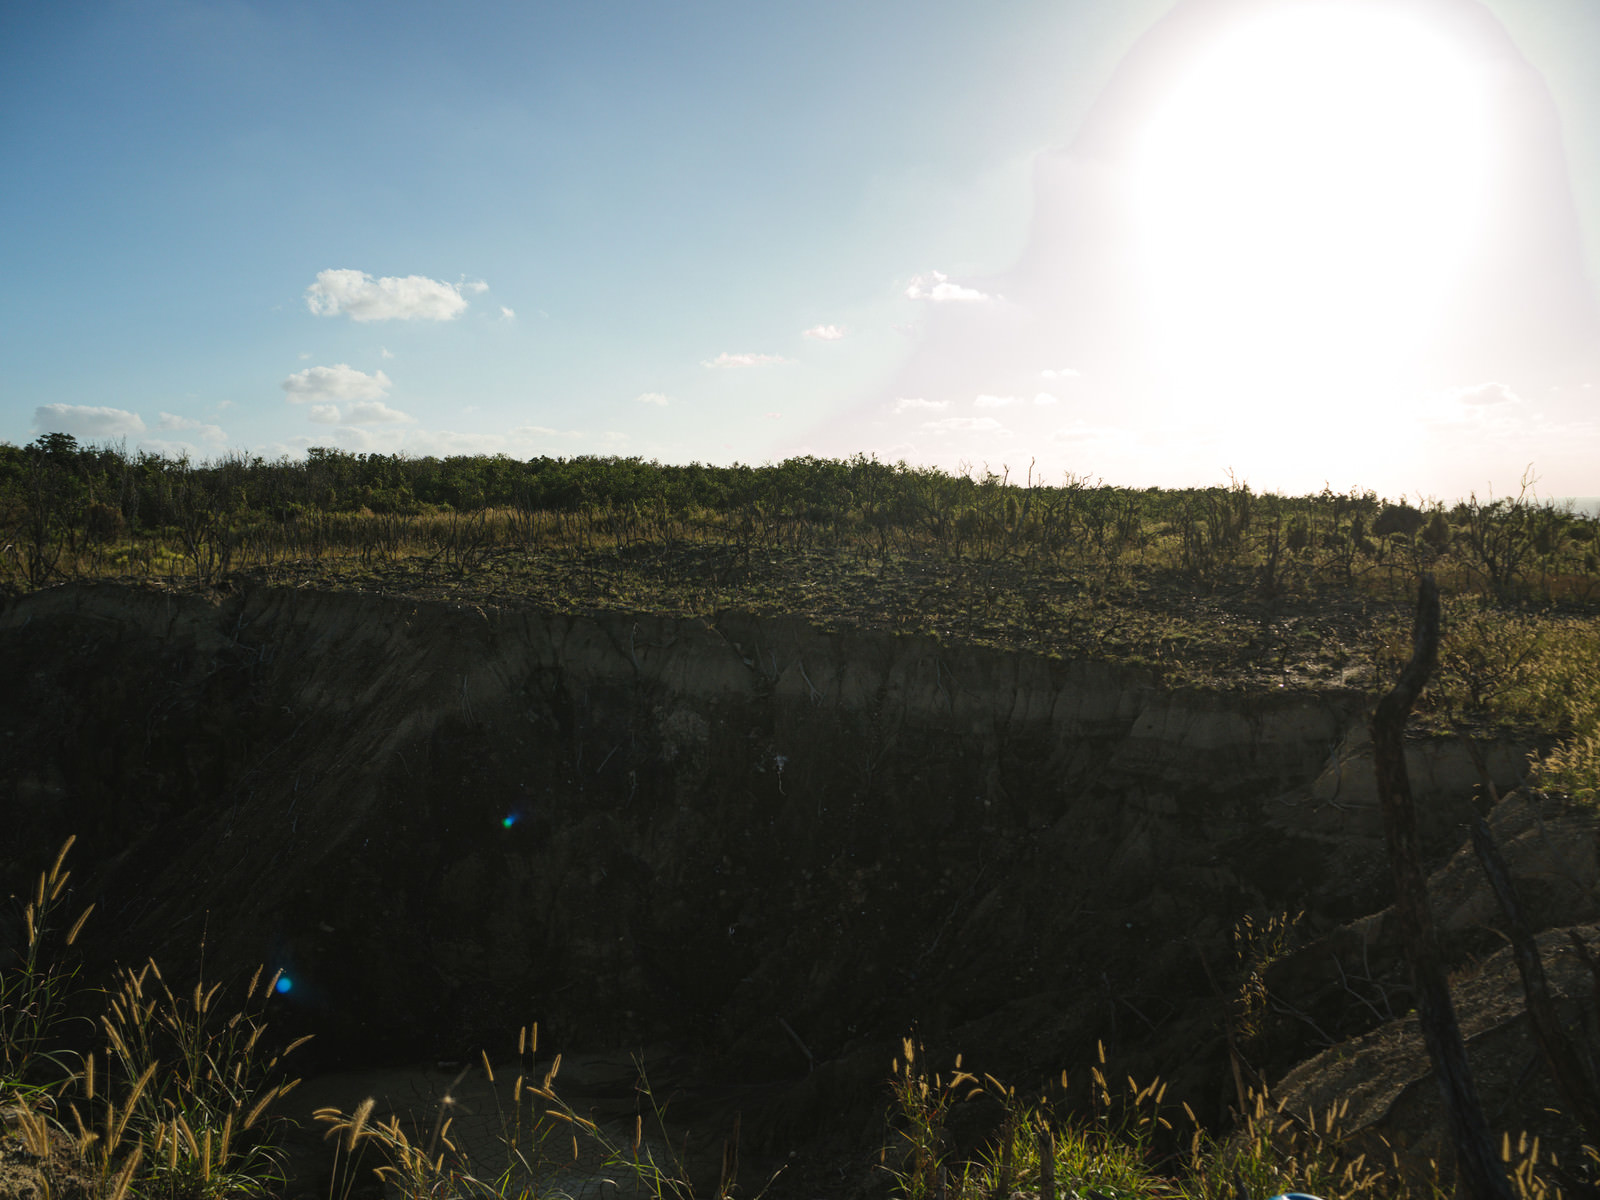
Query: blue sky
{"x": 1096, "y": 236}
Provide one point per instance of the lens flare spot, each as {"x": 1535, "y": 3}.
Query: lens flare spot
{"x": 284, "y": 985}
{"x": 507, "y": 821}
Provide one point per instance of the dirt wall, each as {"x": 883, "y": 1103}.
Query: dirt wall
{"x": 779, "y": 845}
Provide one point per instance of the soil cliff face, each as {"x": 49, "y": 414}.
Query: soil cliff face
{"x": 782, "y": 844}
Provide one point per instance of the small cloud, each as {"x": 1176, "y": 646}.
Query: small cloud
{"x": 1060, "y": 373}
{"x": 374, "y": 412}
{"x": 85, "y": 421}
{"x": 392, "y": 298}
{"x": 995, "y": 401}
{"x": 657, "y": 398}
{"x": 1485, "y": 395}
{"x": 210, "y": 434}
{"x": 385, "y": 352}
{"x": 824, "y": 333}
{"x": 338, "y": 382}
{"x": 774, "y": 416}
{"x": 1045, "y": 398}
{"x": 305, "y": 354}
{"x": 1082, "y": 434}
{"x": 324, "y": 414}
{"x": 544, "y": 431}
{"x": 507, "y": 314}
{"x": 224, "y": 405}
{"x": 936, "y": 286}
{"x": 965, "y": 425}
{"x": 905, "y": 328}
{"x": 911, "y": 403}
{"x": 745, "y": 360}
{"x": 445, "y": 442}
{"x": 1487, "y": 408}
{"x": 477, "y": 287}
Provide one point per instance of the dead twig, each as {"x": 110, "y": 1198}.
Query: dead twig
{"x": 1481, "y": 1173}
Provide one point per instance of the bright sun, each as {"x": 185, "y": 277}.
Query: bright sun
{"x": 1304, "y": 198}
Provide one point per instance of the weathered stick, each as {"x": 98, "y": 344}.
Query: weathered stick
{"x": 1560, "y": 1056}
{"x": 1479, "y": 1169}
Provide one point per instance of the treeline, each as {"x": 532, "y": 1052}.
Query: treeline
{"x": 69, "y": 510}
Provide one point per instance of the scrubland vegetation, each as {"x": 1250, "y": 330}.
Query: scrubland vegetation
{"x": 1220, "y": 586}
{"x": 173, "y": 1091}
{"x": 176, "y": 1094}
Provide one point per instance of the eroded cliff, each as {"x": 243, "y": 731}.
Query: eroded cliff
{"x": 777, "y": 845}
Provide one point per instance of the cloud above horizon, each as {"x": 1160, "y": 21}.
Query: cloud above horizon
{"x": 87, "y": 421}
{"x": 745, "y": 360}
{"x": 965, "y": 425}
{"x": 391, "y": 298}
{"x": 824, "y": 333}
{"x": 912, "y": 403}
{"x": 211, "y": 435}
{"x": 361, "y": 412}
{"x": 340, "y": 382}
{"x": 660, "y": 399}
{"x": 936, "y": 286}
{"x": 1483, "y": 395}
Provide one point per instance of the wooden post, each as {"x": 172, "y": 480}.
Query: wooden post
{"x": 1481, "y": 1174}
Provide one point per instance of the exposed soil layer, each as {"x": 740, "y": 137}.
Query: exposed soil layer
{"x": 773, "y": 848}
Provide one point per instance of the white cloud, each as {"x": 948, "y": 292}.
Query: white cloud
{"x": 1082, "y": 434}
{"x": 507, "y": 314}
{"x": 385, "y": 352}
{"x": 445, "y": 442}
{"x": 657, "y": 398}
{"x": 995, "y": 401}
{"x": 544, "y": 431}
{"x": 374, "y": 412}
{"x": 477, "y": 287}
{"x": 965, "y": 425}
{"x": 1488, "y": 408}
{"x": 936, "y": 286}
{"x": 1485, "y": 395}
{"x": 909, "y": 403}
{"x": 210, "y": 434}
{"x": 338, "y": 382}
{"x": 85, "y": 421}
{"x": 407, "y": 298}
{"x": 1060, "y": 373}
{"x": 325, "y": 414}
{"x": 224, "y": 405}
{"x": 1045, "y": 398}
{"x": 824, "y": 333}
{"x": 745, "y": 360}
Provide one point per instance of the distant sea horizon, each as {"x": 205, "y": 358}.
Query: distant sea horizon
{"x": 1588, "y": 506}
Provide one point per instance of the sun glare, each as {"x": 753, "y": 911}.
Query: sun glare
{"x": 1304, "y": 197}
